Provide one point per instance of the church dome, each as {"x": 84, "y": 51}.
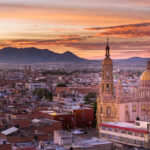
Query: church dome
{"x": 145, "y": 76}
{"x": 107, "y": 61}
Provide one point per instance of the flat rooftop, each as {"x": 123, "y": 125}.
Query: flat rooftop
{"x": 83, "y": 143}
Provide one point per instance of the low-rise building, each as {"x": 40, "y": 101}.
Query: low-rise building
{"x": 68, "y": 140}
{"x": 68, "y": 120}
{"x": 62, "y": 137}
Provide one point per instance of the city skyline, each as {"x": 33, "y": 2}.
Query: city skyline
{"x": 80, "y": 26}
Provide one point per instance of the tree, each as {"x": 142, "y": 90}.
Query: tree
{"x": 41, "y": 93}
{"x": 88, "y": 98}
{"x": 61, "y": 85}
{"x": 95, "y": 111}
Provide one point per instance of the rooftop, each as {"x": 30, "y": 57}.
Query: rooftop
{"x": 53, "y": 113}
{"x": 10, "y": 131}
{"x": 81, "y": 142}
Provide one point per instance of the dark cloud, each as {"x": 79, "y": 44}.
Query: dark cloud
{"x": 63, "y": 40}
{"x": 76, "y": 43}
{"x": 123, "y": 46}
{"x": 131, "y": 30}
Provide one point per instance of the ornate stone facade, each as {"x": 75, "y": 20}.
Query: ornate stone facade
{"x": 106, "y": 102}
{"x": 115, "y": 103}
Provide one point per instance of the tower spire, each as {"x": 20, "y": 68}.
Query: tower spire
{"x": 107, "y": 48}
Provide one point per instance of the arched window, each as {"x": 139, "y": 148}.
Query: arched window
{"x": 108, "y": 111}
{"x": 107, "y": 87}
{"x": 107, "y": 74}
{"x": 101, "y": 110}
{"x": 143, "y": 107}
{"x": 133, "y": 108}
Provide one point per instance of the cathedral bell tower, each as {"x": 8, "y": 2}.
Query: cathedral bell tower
{"x": 106, "y": 86}
{"x": 107, "y": 107}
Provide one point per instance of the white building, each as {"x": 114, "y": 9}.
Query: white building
{"x": 137, "y": 135}
{"x": 67, "y": 140}
{"x": 62, "y": 137}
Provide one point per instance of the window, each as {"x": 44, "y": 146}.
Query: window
{"x": 101, "y": 110}
{"x": 116, "y": 130}
{"x": 107, "y": 87}
{"x": 137, "y": 123}
{"x": 126, "y": 108}
{"x": 103, "y": 128}
{"x": 109, "y": 111}
{"x": 107, "y": 74}
{"x": 110, "y": 129}
{"x": 148, "y": 126}
{"x": 123, "y": 131}
{"x": 136, "y": 141}
{"x": 130, "y": 132}
{"x": 136, "y": 133}
{"x": 103, "y": 135}
{"x": 133, "y": 108}
{"x": 142, "y": 134}
{"x": 143, "y": 107}
{"x": 110, "y": 136}
{"x": 116, "y": 137}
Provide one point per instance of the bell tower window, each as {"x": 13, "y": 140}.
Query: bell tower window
{"x": 101, "y": 110}
{"x": 107, "y": 87}
{"x": 107, "y": 74}
{"x": 108, "y": 111}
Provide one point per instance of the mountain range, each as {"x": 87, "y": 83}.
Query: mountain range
{"x": 34, "y": 55}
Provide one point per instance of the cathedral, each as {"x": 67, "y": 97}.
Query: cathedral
{"x": 113, "y": 104}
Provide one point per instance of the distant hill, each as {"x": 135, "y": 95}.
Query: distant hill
{"x": 34, "y": 55}
{"x": 131, "y": 61}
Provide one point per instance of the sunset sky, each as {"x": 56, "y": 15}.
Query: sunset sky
{"x": 79, "y": 26}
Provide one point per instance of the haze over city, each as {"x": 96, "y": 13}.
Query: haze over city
{"x": 74, "y": 74}
{"x": 79, "y": 26}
